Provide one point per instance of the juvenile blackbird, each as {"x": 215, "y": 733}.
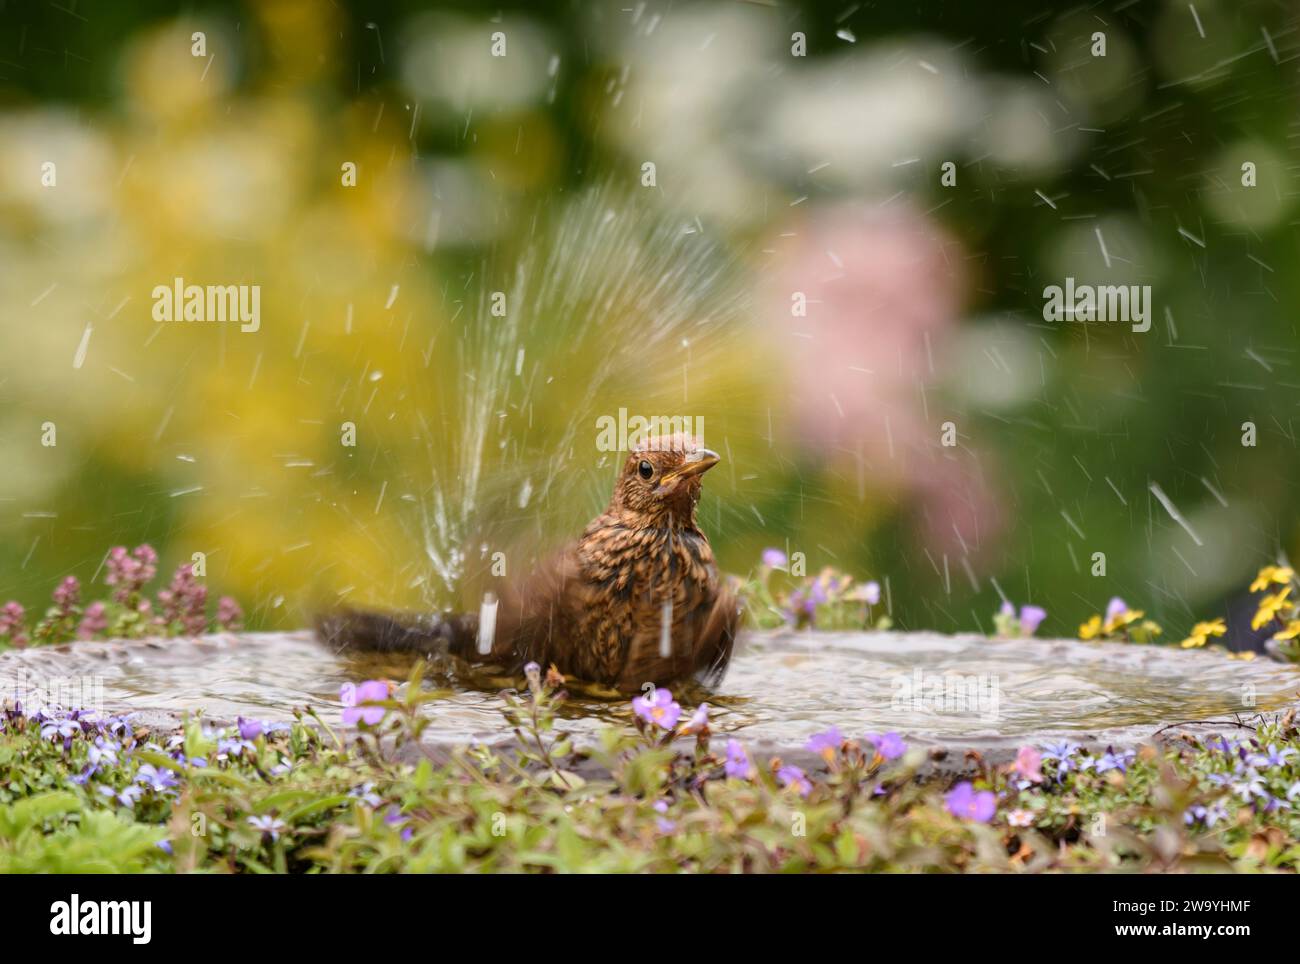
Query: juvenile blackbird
{"x": 637, "y": 599}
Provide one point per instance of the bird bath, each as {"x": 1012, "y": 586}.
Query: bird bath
{"x": 946, "y": 693}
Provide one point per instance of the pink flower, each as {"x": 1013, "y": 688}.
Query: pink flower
{"x": 94, "y": 622}
{"x": 11, "y": 617}
{"x": 1029, "y": 764}
{"x": 185, "y": 602}
{"x": 371, "y": 691}
{"x": 229, "y": 615}
{"x": 128, "y": 572}
{"x": 68, "y": 594}
{"x": 11, "y": 624}
{"x": 884, "y": 288}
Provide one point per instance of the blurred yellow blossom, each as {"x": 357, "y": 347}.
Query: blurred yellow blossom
{"x": 1120, "y": 623}
{"x": 1270, "y": 575}
{"x": 1201, "y": 633}
{"x": 1269, "y": 608}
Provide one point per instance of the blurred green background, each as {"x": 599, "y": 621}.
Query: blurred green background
{"x": 776, "y": 177}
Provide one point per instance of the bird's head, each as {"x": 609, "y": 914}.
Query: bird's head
{"x": 661, "y": 480}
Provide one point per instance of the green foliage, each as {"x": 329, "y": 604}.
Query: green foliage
{"x": 781, "y": 596}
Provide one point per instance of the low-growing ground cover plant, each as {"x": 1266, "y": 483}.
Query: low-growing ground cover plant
{"x": 81, "y": 793}
{"x": 663, "y": 792}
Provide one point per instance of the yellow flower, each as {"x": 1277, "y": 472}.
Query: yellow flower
{"x": 1091, "y": 629}
{"x": 1269, "y": 607}
{"x": 1201, "y": 632}
{"x": 1122, "y": 620}
{"x": 1282, "y": 575}
{"x": 1145, "y": 633}
{"x": 1291, "y": 632}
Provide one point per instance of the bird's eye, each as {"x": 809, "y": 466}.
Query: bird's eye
{"x": 645, "y": 469}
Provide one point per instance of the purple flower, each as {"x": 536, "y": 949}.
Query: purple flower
{"x": 366, "y": 794}
{"x": 1115, "y": 608}
{"x": 1272, "y": 757}
{"x": 1110, "y": 760}
{"x": 965, "y": 803}
{"x": 371, "y": 691}
{"x": 827, "y": 743}
{"x": 226, "y": 748}
{"x": 155, "y": 779}
{"x": 94, "y": 622}
{"x": 791, "y": 776}
{"x": 249, "y": 729}
{"x": 698, "y": 722}
{"x": 229, "y": 615}
{"x": 665, "y": 826}
{"x": 1007, "y": 609}
{"x": 659, "y": 710}
{"x": 272, "y": 826}
{"x": 1030, "y": 619}
{"x": 817, "y": 594}
{"x": 871, "y": 593}
{"x": 738, "y": 765}
{"x": 1223, "y": 745}
{"x": 103, "y": 751}
{"x": 775, "y": 559}
{"x": 119, "y": 726}
{"x": 394, "y": 817}
{"x": 890, "y": 745}
{"x": 128, "y": 797}
{"x": 56, "y": 730}
{"x": 1063, "y": 753}
{"x": 1251, "y": 785}
{"x": 1208, "y": 816}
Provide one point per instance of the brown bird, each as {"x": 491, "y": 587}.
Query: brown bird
{"x": 637, "y": 599}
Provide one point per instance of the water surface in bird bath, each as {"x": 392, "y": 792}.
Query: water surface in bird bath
{"x": 948, "y": 691}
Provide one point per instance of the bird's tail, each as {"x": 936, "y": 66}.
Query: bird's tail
{"x": 397, "y": 632}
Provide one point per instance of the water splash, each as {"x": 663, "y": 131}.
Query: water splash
{"x": 607, "y": 305}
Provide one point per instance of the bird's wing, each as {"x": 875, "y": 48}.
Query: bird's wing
{"x": 718, "y": 635}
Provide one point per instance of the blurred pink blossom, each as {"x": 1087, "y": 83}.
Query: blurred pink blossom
{"x": 884, "y": 289}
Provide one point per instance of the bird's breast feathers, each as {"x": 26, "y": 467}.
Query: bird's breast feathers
{"x": 648, "y": 564}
